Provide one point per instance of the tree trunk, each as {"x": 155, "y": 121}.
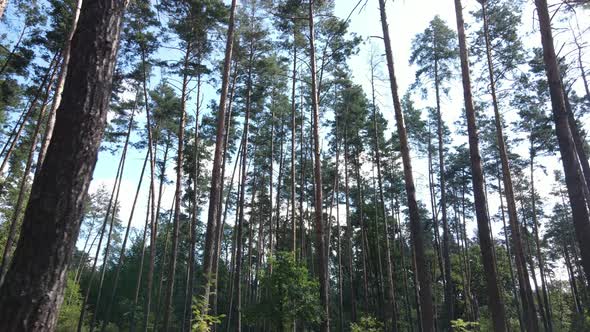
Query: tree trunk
{"x": 572, "y": 280}
{"x": 318, "y": 201}
{"x": 46, "y": 83}
{"x": 293, "y": 134}
{"x": 349, "y": 235}
{"x": 193, "y": 223}
{"x": 178, "y": 193}
{"x": 65, "y": 56}
{"x": 449, "y": 288}
{"x": 486, "y": 245}
{"x": 141, "y": 260}
{"x": 151, "y": 213}
{"x": 573, "y": 174}
{"x": 219, "y": 221}
{"x": 390, "y": 271}
{"x": 22, "y": 187}
{"x": 526, "y": 295}
{"x": 216, "y": 180}
{"x": 240, "y": 221}
{"x": 123, "y": 246}
{"x": 32, "y": 292}
{"x": 424, "y": 286}
{"x": 546, "y": 302}
{"x": 516, "y": 301}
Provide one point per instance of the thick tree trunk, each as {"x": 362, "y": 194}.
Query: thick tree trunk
{"x": 216, "y": 180}
{"x": 573, "y": 174}
{"x": 486, "y": 245}
{"x": 526, "y": 295}
{"x": 32, "y": 292}
{"x": 318, "y": 201}
{"x": 424, "y": 286}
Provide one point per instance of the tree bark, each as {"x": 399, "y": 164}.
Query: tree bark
{"x": 293, "y": 134}
{"x": 21, "y": 193}
{"x": 573, "y": 174}
{"x": 526, "y": 295}
{"x": 65, "y": 56}
{"x": 416, "y": 229}
{"x": 318, "y": 201}
{"x": 32, "y": 292}
{"x": 178, "y": 193}
{"x": 486, "y": 245}
{"x": 449, "y": 288}
{"x": 215, "y": 192}
{"x": 193, "y": 223}
{"x": 244, "y": 174}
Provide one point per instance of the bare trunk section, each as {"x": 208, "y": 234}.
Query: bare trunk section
{"x": 486, "y": 245}
{"x": 349, "y": 235}
{"x": 318, "y": 201}
{"x": 216, "y": 180}
{"x": 193, "y": 223}
{"x": 293, "y": 134}
{"x": 573, "y": 174}
{"x": 424, "y": 286}
{"x": 449, "y": 287}
{"x": 526, "y": 295}
{"x": 65, "y": 56}
{"x": 32, "y": 292}
{"x": 178, "y": 193}
{"x": 22, "y": 188}
{"x": 244, "y": 174}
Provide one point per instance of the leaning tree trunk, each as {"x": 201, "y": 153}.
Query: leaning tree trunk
{"x": 65, "y": 56}
{"x": 495, "y": 299}
{"x": 33, "y": 289}
{"x": 526, "y": 295}
{"x": 22, "y": 187}
{"x": 573, "y": 175}
{"x": 427, "y": 310}
{"x": 319, "y": 223}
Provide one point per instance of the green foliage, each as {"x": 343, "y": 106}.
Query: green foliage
{"x": 290, "y": 294}
{"x": 70, "y": 309}
{"x": 460, "y": 325}
{"x": 367, "y": 324}
{"x": 202, "y": 321}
